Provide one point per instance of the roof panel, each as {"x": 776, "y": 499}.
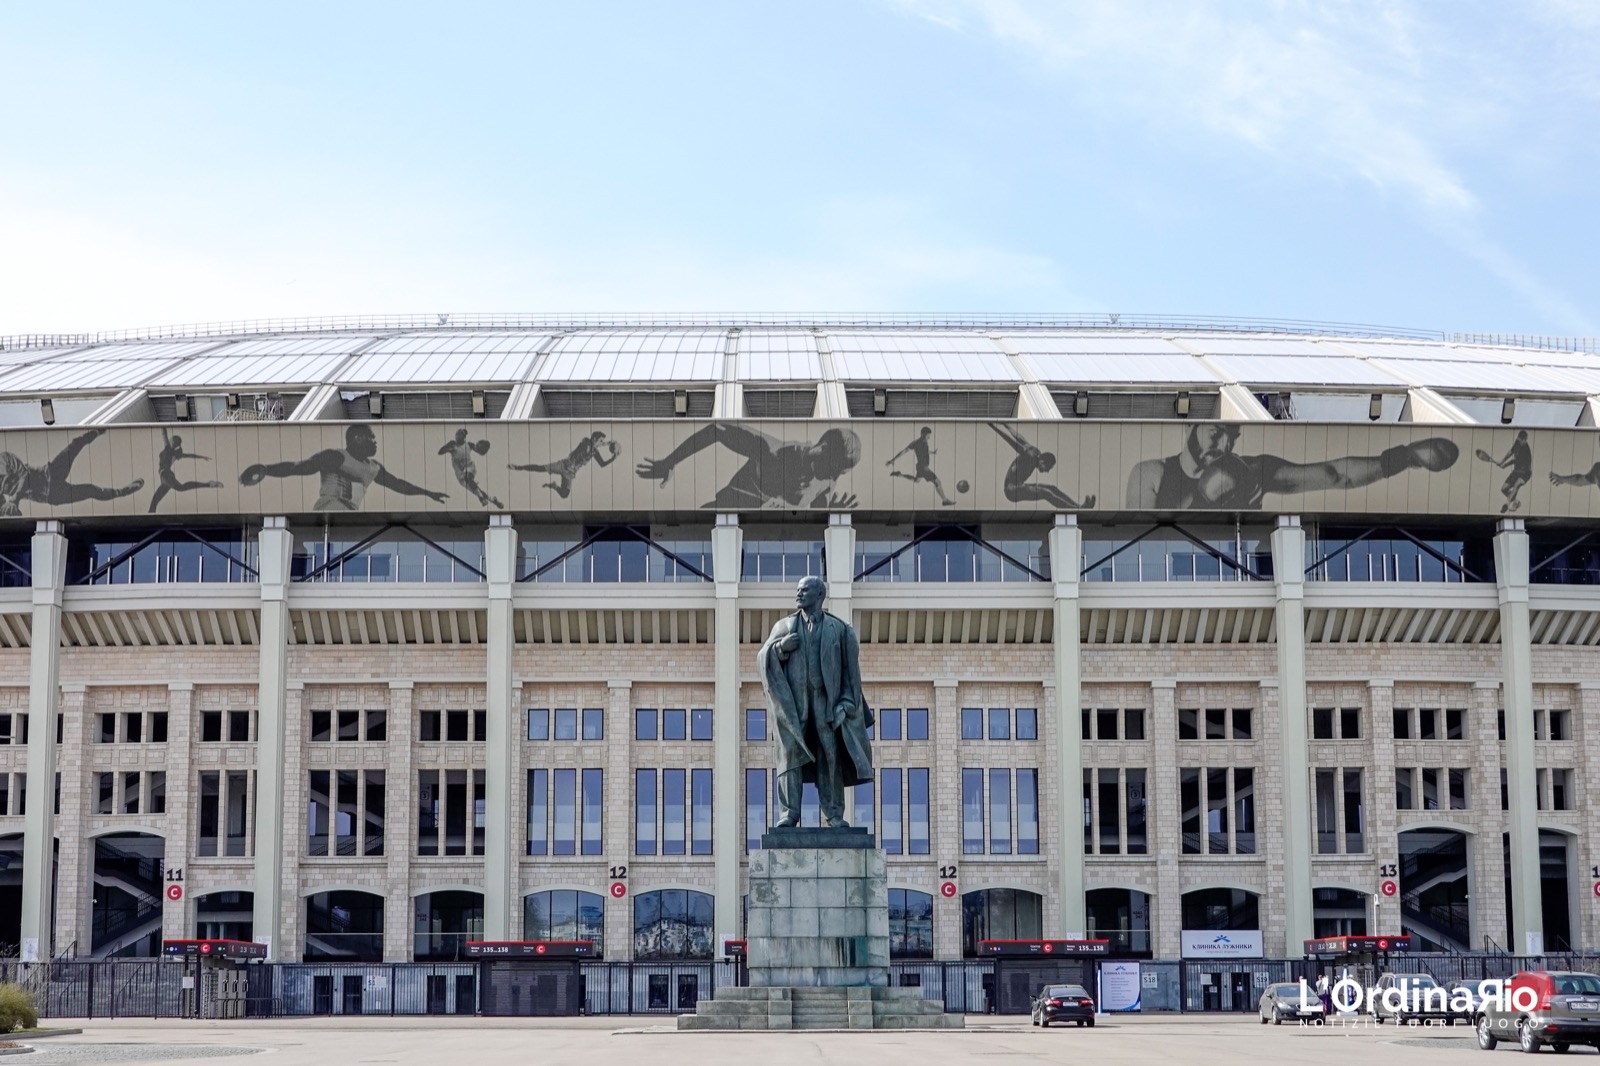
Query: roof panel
{"x": 1322, "y": 369}
{"x": 1478, "y": 376}
{"x": 477, "y": 366}
{"x": 147, "y": 352}
{"x": 343, "y": 344}
{"x": 1091, "y": 344}
{"x": 631, "y": 365}
{"x": 1231, "y": 345}
{"x": 234, "y": 370}
{"x": 919, "y": 357}
{"x": 1082, "y": 367}
{"x": 455, "y": 343}
{"x": 58, "y": 376}
{"x": 1414, "y": 352}
{"x": 697, "y": 341}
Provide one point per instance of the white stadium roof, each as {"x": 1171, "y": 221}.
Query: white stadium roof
{"x": 1061, "y": 355}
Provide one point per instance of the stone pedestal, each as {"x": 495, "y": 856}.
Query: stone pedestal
{"x": 819, "y": 910}
{"x": 817, "y": 942}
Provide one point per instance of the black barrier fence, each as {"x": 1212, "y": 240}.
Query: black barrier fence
{"x": 188, "y": 988}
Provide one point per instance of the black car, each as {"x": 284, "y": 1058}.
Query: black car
{"x": 1063, "y": 1003}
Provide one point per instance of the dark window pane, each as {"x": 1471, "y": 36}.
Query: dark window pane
{"x": 755, "y": 723}
{"x": 594, "y": 720}
{"x": 700, "y": 723}
{"x": 1106, "y": 723}
{"x": 566, "y": 723}
{"x": 538, "y": 723}
{"x": 917, "y": 723}
{"x": 349, "y": 725}
{"x": 999, "y": 723}
{"x": 971, "y": 723}
{"x": 888, "y": 723}
{"x": 1027, "y": 723}
{"x": 1133, "y": 723}
{"x": 673, "y": 724}
{"x": 644, "y": 723}
{"x": 321, "y": 726}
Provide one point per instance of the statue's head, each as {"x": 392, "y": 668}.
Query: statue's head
{"x": 810, "y": 592}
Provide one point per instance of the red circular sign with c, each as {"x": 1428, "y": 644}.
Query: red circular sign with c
{"x": 174, "y": 892}
{"x": 618, "y": 889}
{"x": 948, "y": 889}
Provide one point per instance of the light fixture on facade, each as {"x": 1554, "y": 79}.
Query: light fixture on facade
{"x": 880, "y": 402}
{"x": 184, "y": 410}
{"x": 1080, "y": 405}
{"x": 1181, "y": 405}
{"x": 1508, "y": 410}
{"x": 479, "y": 404}
{"x": 231, "y": 401}
{"x": 375, "y": 404}
{"x": 1375, "y": 407}
{"x": 47, "y": 411}
{"x": 680, "y": 403}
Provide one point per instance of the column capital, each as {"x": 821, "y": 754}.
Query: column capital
{"x": 619, "y": 685}
{"x": 1510, "y": 525}
{"x": 839, "y": 520}
{"x": 1487, "y": 683}
{"x": 76, "y": 687}
{"x": 1066, "y": 520}
{"x": 180, "y": 686}
{"x": 945, "y": 682}
{"x": 1380, "y": 682}
{"x": 48, "y": 527}
{"x": 402, "y": 685}
{"x": 1164, "y": 683}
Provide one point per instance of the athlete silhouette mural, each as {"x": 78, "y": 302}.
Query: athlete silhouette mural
{"x": 460, "y": 450}
{"x": 776, "y": 473}
{"x": 1520, "y": 460}
{"x": 1207, "y": 474}
{"x": 171, "y": 452}
{"x": 1031, "y": 460}
{"x": 48, "y": 484}
{"x": 922, "y": 452}
{"x": 345, "y": 475}
{"x": 594, "y": 448}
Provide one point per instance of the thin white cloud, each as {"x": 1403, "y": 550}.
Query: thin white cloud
{"x": 1367, "y": 89}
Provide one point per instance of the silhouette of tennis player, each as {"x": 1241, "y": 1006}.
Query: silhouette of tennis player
{"x": 594, "y": 448}
{"x": 48, "y": 484}
{"x": 1208, "y": 475}
{"x": 460, "y": 452}
{"x": 171, "y": 452}
{"x": 777, "y": 473}
{"x": 922, "y": 451}
{"x": 345, "y": 475}
{"x": 1029, "y": 461}
{"x": 1520, "y": 460}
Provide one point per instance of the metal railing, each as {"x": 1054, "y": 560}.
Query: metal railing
{"x": 1529, "y": 340}
{"x": 726, "y": 320}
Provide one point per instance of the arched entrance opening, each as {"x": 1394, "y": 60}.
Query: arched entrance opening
{"x": 128, "y": 896}
{"x": 445, "y": 922}
{"x": 1226, "y": 983}
{"x": 1434, "y": 905}
{"x": 1122, "y": 916}
{"x": 344, "y": 926}
{"x": 225, "y": 916}
{"x": 1338, "y": 912}
{"x": 1555, "y": 889}
{"x": 1000, "y": 914}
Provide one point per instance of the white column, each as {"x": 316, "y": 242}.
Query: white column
{"x": 272, "y": 690}
{"x": 1066, "y": 551}
{"x": 839, "y": 549}
{"x": 1516, "y": 675}
{"x": 727, "y": 558}
{"x": 1288, "y": 568}
{"x": 505, "y": 741}
{"x": 44, "y": 683}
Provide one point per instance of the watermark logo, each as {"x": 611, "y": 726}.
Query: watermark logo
{"x": 1349, "y": 996}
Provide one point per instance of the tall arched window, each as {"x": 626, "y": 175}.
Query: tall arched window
{"x": 910, "y": 924}
{"x": 346, "y": 926}
{"x": 564, "y": 914}
{"x": 672, "y": 923}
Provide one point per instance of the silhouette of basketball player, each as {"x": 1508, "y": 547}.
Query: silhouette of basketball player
{"x": 460, "y": 452}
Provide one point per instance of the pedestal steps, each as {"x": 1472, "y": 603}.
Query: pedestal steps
{"x": 819, "y": 1008}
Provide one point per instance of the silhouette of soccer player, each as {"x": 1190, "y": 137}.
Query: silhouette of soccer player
{"x": 594, "y": 448}
{"x": 48, "y": 484}
{"x": 777, "y": 473}
{"x": 345, "y": 475}
{"x": 922, "y": 451}
{"x": 1029, "y": 461}
{"x": 1520, "y": 460}
{"x": 171, "y": 452}
{"x": 460, "y": 451}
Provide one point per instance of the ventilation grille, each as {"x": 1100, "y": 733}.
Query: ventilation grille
{"x": 952, "y": 403}
{"x": 621, "y": 403}
{"x": 446, "y": 405}
{"x": 1137, "y": 405}
{"x": 779, "y": 403}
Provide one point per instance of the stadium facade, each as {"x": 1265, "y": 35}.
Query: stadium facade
{"x": 364, "y": 637}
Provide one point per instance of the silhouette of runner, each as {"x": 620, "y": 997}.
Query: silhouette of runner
{"x": 171, "y": 452}
{"x": 48, "y": 484}
{"x": 466, "y": 471}
{"x": 345, "y": 475}
{"x": 777, "y": 473}
{"x": 594, "y": 448}
{"x": 922, "y": 451}
{"x": 1029, "y": 461}
{"x": 1520, "y": 460}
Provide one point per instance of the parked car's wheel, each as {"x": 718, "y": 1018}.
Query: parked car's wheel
{"x": 1090, "y": 1023}
{"x": 1486, "y": 1040}
{"x": 1263, "y": 1019}
{"x": 1080, "y": 1023}
{"x": 1526, "y": 1040}
{"x": 1277, "y": 1016}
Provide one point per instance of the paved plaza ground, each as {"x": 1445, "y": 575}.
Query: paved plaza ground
{"x": 1232, "y": 1040}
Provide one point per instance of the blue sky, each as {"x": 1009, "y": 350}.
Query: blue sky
{"x": 1418, "y": 164}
